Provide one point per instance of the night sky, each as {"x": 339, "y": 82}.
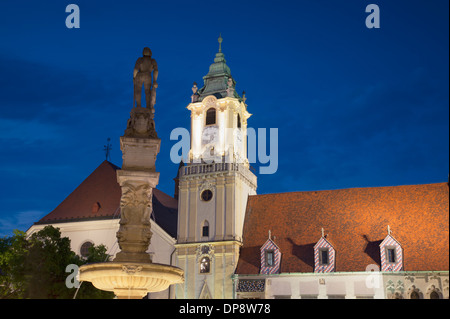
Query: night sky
{"x": 354, "y": 107}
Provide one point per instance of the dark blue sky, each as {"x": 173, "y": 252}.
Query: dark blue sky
{"x": 354, "y": 107}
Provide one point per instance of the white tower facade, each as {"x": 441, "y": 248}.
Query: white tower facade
{"x": 213, "y": 187}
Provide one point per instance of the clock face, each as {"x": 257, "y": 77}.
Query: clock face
{"x": 210, "y": 135}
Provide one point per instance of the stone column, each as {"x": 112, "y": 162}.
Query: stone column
{"x": 134, "y": 234}
{"x": 137, "y": 178}
{"x": 131, "y": 275}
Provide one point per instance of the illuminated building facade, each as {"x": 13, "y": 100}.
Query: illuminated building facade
{"x": 378, "y": 242}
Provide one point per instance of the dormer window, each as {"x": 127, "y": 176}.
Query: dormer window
{"x": 270, "y": 257}
{"x": 391, "y": 253}
{"x": 210, "y": 116}
{"x": 324, "y": 255}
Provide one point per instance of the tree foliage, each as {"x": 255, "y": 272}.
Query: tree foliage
{"x": 36, "y": 267}
{"x": 13, "y": 251}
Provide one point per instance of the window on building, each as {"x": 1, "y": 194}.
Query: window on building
{"x": 270, "y": 257}
{"x": 84, "y": 250}
{"x": 205, "y": 229}
{"x": 414, "y": 295}
{"x": 390, "y": 253}
{"x": 206, "y": 195}
{"x": 204, "y": 265}
{"x": 324, "y": 256}
{"x": 238, "y": 121}
{"x": 434, "y": 295}
{"x": 397, "y": 296}
{"x": 270, "y": 262}
{"x": 211, "y": 116}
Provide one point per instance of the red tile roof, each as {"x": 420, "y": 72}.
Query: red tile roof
{"x": 98, "y": 197}
{"x": 355, "y": 221}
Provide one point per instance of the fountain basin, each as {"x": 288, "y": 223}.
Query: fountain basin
{"x": 131, "y": 280}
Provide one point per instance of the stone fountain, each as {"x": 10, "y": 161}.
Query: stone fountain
{"x": 131, "y": 275}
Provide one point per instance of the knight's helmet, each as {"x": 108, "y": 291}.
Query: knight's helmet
{"x": 147, "y": 52}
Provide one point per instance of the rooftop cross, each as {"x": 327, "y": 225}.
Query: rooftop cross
{"x": 220, "y": 42}
{"x": 107, "y": 149}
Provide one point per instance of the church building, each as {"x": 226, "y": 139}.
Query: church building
{"x": 377, "y": 242}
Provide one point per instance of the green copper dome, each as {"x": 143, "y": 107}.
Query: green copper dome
{"x": 218, "y": 81}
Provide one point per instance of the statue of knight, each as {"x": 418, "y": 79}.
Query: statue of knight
{"x": 142, "y": 75}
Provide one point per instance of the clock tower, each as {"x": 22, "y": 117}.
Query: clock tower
{"x": 213, "y": 186}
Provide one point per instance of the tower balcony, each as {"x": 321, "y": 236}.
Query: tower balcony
{"x": 196, "y": 170}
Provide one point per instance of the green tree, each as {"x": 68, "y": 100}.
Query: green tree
{"x": 36, "y": 267}
{"x": 46, "y": 262}
{"x": 13, "y": 251}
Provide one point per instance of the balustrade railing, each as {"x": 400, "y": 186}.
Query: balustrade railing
{"x": 195, "y": 169}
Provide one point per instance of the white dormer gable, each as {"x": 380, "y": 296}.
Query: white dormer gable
{"x": 270, "y": 257}
{"x": 324, "y": 255}
{"x": 391, "y": 253}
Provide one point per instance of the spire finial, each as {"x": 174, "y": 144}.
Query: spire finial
{"x": 389, "y": 230}
{"x": 220, "y": 42}
{"x": 323, "y": 233}
{"x": 270, "y": 235}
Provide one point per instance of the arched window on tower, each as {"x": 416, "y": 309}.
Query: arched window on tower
{"x": 238, "y": 121}
{"x": 205, "y": 229}
{"x": 210, "y": 116}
